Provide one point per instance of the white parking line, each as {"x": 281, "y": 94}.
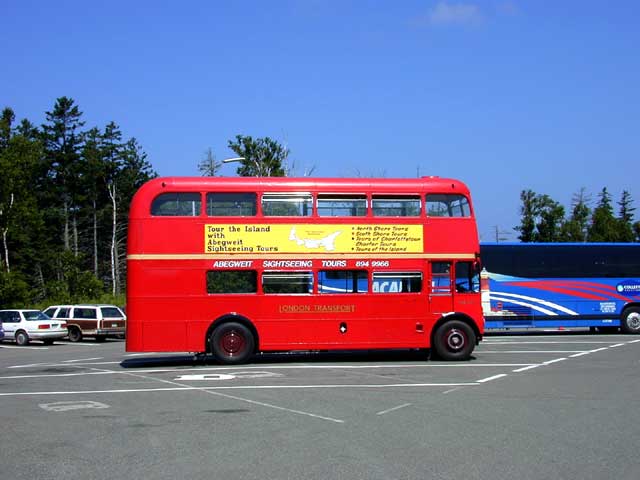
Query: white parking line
{"x": 530, "y": 367}
{"x": 83, "y": 360}
{"x": 555, "y": 360}
{"x": 531, "y": 351}
{"x": 248, "y": 387}
{"x": 389, "y": 410}
{"x": 489, "y": 379}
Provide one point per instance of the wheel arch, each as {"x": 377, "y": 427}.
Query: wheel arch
{"x": 227, "y": 318}
{"x": 463, "y": 317}
{"x": 628, "y": 306}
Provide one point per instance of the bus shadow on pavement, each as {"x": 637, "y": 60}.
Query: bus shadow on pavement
{"x": 306, "y": 356}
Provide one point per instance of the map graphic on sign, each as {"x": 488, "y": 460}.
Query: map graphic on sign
{"x": 328, "y": 242}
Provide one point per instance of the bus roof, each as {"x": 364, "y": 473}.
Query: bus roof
{"x": 307, "y": 183}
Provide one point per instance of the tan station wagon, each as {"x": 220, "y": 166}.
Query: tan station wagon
{"x": 98, "y": 321}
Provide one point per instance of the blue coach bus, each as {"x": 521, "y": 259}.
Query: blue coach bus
{"x": 552, "y": 285}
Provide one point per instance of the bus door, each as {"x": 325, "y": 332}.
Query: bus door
{"x": 466, "y": 287}
{"x": 441, "y": 293}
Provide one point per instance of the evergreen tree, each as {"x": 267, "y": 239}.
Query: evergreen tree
{"x": 604, "y": 227}
{"x": 625, "y": 218}
{"x": 528, "y": 214}
{"x": 63, "y": 142}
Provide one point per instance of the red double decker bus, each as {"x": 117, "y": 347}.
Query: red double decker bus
{"x": 235, "y": 266}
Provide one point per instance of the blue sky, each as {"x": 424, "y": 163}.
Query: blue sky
{"x": 505, "y": 95}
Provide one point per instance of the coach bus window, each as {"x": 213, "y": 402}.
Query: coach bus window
{"x": 343, "y": 281}
{"x": 287, "y": 282}
{"x": 334, "y": 205}
{"x": 467, "y": 277}
{"x": 232, "y": 281}
{"x": 391, "y": 206}
{"x": 231, "y": 204}
{"x": 397, "y": 282}
{"x": 179, "y": 204}
{"x": 440, "y": 279}
{"x": 447, "y": 205}
{"x": 287, "y": 205}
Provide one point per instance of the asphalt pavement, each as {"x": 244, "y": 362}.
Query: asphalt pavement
{"x": 548, "y": 406}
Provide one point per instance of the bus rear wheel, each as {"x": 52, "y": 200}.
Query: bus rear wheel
{"x": 454, "y": 340}
{"x": 232, "y": 343}
{"x": 631, "y": 320}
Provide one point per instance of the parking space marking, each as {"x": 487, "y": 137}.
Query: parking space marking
{"x": 47, "y": 375}
{"x": 180, "y": 387}
{"x": 25, "y": 348}
{"x": 524, "y": 369}
{"x": 83, "y": 360}
{"x": 245, "y": 400}
{"x": 581, "y": 354}
{"x": 555, "y": 360}
{"x": 72, "y": 405}
{"x": 495, "y": 377}
{"x": 389, "y": 410}
{"x": 531, "y": 351}
{"x": 547, "y": 342}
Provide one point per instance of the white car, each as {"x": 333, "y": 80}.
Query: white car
{"x": 26, "y": 325}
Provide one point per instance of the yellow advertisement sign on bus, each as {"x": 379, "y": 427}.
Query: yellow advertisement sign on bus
{"x": 306, "y": 238}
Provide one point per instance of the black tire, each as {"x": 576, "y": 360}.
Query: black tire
{"x": 454, "y": 340}
{"x": 75, "y": 334}
{"x": 232, "y": 343}
{"x": 48, "y": 341}
{"x": 630, "y": 321}
{"x": 22, "y": 338}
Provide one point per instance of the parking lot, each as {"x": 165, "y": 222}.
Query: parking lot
{"x": 528, "y": 406}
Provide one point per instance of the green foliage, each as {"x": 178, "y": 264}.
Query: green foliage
{"x": 542, "y": 219}
{"x": 263, "y": 157}
{"x": 64, "y": 201}
{"x": 14, "y": 290}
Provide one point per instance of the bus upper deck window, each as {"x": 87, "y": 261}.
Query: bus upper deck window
{"x": 340, "y": 205}
{"x": 177, "y": 204}
{"x": 287, "y": 204}
{"x": 447, "y": 205}
{"x": 231, "y": 204}
{"x": 396, "y": 206}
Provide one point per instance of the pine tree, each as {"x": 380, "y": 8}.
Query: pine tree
{"x": 604, "y": 227}
{"x": 625, "y": 218}
{"x": 528, "y": 214}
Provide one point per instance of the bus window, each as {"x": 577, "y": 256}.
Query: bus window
{"x": 231, "y": 204}
{"x": 287, "y": 204}
{"x": 287, "y": 282}
{"x": 232, "y": 281}
{"x": 440, "y": 280}
{"x": 447, "y": 205}
{"x": 343, "y": 281}
{"x": 467, "y": 277}
{"x": 387, "y": 206}
{"x": 178, "y": 204}
{"x": 397, "y": 282}
{"x": 334, "y": 205}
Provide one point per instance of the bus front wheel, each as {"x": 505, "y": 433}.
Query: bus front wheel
{"x": 232, "y": 343}
{"x": 454, "y": 340}
{"x": 631, "y": 320}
